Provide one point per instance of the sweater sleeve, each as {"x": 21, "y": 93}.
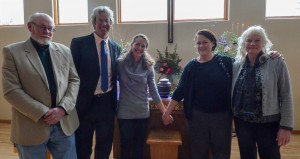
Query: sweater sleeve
{"x": 178, "y": 94}
{"x": 285, "y": 97}
{"x": 152, "y": 86}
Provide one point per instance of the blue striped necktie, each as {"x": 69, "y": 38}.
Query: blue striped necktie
{"x": 104, "y": 69}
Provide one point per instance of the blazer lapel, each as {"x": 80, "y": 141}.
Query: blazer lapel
{"x": 112, "y": 54}
{"x": 93, "y": 50}
{"x": 55, "y": 56}
{"x": 34, "y": 58}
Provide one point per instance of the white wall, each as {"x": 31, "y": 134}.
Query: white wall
{"x": 284, "y": 34}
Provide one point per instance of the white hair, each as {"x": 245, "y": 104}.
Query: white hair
{"x": 258, "y": 30}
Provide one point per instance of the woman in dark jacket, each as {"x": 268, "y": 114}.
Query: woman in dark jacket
{"x": 205, "y": 85}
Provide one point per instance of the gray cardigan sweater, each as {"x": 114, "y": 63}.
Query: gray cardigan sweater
{"x": 135, "y": 81}
{"x": 277, "y": 102}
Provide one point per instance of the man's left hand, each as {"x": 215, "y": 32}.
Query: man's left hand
{"x": 54, "y": 115}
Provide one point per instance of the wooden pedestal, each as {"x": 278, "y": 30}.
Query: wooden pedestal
{"x": 164, "y": 144}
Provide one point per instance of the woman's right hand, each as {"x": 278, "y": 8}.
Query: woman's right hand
{"x": 167, "y": 119}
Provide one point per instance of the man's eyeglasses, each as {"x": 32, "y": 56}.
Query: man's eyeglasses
{"x": 44, "y": 28}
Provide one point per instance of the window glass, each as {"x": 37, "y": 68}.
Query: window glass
{"x": 156, "y": 10}
{"x": 281, "y": 8}
{"x": 72, "y": 11}
{"x": 143, "y": 10}
{"x": 11, "y": 12}
{"x": 198, "y": 9}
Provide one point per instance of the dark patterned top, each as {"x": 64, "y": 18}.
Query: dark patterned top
{"x": 247, "y": 96}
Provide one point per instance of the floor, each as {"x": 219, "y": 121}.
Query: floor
{"x": 291, "y": 151}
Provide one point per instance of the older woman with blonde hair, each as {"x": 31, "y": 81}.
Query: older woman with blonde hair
{"x": 262, "y": 97}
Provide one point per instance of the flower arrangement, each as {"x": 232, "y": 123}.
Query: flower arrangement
{"x": 167, "y": 63}
{"x": 125, "y": 46}
{"x": 227, "y": 44}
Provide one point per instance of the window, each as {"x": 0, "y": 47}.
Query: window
{"x": 156, "y": 10}
{"x": 280, "y": 8}
{"x": 71, "y": 11}
{"x": 142, "y": 10}
{"x": 12, "y": 13}
{"x": 66, "y": 11}
{"x": 198, "y": 9}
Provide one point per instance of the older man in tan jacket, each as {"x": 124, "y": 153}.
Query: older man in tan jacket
{"x": 41, "y": 83}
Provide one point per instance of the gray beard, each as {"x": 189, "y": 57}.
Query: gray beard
{"x": 43, "y": 41}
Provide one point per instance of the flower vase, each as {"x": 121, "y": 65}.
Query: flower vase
{"x": 164, "y": 88}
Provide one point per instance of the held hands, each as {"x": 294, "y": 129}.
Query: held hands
{"x": 283, "y": 137}
{"x": 167, "y": 119}
{"x": 54, "y": 115}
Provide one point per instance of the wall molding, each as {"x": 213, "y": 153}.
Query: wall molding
{"x": 296, "y": 132}
{"x": 5, "y": 121}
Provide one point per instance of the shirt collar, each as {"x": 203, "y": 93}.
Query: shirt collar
{"x": 99, "y": 39}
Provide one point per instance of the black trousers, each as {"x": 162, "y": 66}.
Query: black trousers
{"x": 133, "y": 134}
{"x": 261, "y": 137}
{"x": 98, "y": 119}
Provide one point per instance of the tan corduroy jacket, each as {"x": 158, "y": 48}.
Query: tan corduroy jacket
{"x": 26, "y": 88}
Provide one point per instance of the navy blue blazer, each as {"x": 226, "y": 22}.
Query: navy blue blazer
{"x": 85, "y": 56}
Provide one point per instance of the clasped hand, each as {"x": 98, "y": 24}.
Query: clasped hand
{"x": 167, "y": 119}
{"x": 54, "y": 115}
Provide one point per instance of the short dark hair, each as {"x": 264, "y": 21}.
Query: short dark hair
{"x": 208, "y": 34}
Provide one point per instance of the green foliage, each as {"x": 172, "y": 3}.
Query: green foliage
{"x": 227, "y": 44}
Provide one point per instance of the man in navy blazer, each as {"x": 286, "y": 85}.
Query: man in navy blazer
{"x": 95, "y": 105}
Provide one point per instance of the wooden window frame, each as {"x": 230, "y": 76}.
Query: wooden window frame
{"x": 170, "y": 2}
{"x": 55, "y": 10}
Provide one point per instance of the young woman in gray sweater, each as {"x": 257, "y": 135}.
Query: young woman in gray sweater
{"x": 136, "y": 78}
